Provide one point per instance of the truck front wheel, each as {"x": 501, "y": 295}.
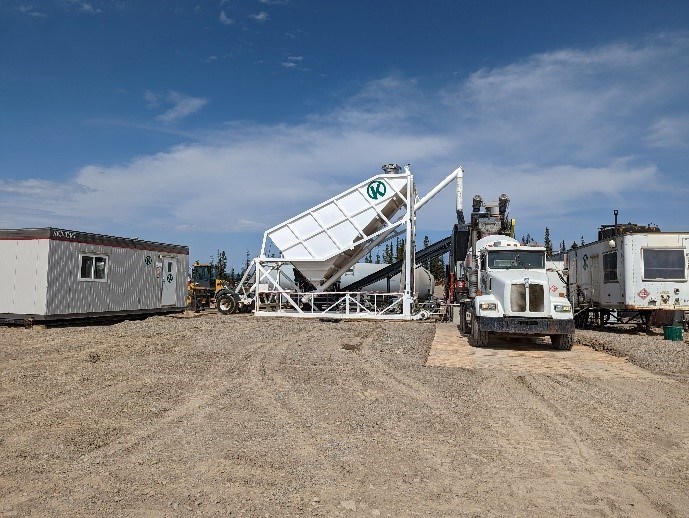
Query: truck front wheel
{"x": 480, "y": 338}
{"x": 562, "y": 342}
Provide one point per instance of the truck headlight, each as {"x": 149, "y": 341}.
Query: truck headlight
{"x": 490, "y": 306}
{"x": 563, "y": 308}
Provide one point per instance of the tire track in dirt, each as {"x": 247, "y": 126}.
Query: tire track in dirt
{"x": 571, "y": 436}
{"x": 285, "y": 417}
{"x": 600, "y": 458}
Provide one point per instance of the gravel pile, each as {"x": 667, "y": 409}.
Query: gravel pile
{"x": 647, "y": 350}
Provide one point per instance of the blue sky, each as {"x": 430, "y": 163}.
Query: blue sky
{"x": 204, "y": 123}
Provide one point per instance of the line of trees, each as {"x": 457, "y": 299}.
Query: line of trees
{"x": 393, "y": 252}
{"x": 548, "y": 244}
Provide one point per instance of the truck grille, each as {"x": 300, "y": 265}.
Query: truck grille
{"x": 518, "y": 301}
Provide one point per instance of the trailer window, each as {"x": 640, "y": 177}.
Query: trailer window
{"x": 664, "y": 264}
{"x": 93, "y": 267}
{"x": 610, "y": 267}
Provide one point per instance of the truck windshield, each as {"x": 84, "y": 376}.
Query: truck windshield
{"x": 506, "y": 259}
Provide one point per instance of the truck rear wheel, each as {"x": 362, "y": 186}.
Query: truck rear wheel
{"x": 463, "y": 323}
{"x": 226, "y": 302}
{"x": 562, "y": 342}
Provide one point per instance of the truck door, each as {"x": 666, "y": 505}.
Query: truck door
{"x": 169, "y": 280}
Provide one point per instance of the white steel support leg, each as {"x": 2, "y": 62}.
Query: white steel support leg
{"x": 408, "y": 251}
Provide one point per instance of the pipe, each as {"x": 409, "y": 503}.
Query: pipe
{"x": 459, "y": 205}
{"x": 438, "y": 188}
{"x": 616, "y": 212}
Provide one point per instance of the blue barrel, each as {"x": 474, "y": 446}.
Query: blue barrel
{"x": 674, "y": 333}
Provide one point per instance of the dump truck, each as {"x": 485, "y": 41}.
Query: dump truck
{"x": 502, "y": 285}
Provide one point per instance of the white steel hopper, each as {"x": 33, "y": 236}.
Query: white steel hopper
{"x": 325, "y": 240}
{"x": 328, "y": 239}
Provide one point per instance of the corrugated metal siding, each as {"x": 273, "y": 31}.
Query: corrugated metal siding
{"x": 23, "y": 276}
{"x": 132, "y": 284}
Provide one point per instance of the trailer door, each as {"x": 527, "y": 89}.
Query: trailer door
{"x": 594, "y": 278}
{"x": 169, "y": 280}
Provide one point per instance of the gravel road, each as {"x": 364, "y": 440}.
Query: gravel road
{"x": 244, "y": 416}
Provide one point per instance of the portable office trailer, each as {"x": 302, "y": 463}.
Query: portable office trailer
{"x": 628, "y": 276}
{"x": 52, "y": 274}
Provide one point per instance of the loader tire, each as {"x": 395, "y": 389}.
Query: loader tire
{"x": 562, "y": 342}
{"x": 226, "y": 302}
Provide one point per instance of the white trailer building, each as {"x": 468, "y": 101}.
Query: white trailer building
{"x": 628, "y": 275}
{"x": 49, "y": 274}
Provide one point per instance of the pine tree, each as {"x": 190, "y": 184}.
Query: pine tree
{"x": 368, "y": 258}
{"x": 574, "y": 245}
{"x": 387, "y": 253}
{"x": 221, "y": 267}
{"x": 399, "y": 252}
{"x": 547, "y": 243}
{"x": 563, "y": 247}
{"x": 426, "y": 244}
{"x": 582, "y": 241}
{"x": 377, "y": 257}
{"x": 437, "y": 269}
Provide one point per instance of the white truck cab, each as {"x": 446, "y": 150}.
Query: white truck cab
{"x": 510, "y": 293}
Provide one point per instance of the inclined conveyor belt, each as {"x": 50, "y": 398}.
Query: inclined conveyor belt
{"x": 430, "y": 252}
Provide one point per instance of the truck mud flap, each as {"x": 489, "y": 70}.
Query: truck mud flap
{"x": 530, "y": 326}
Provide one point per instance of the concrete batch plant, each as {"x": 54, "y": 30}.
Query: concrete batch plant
{"x": 49, "y": 274}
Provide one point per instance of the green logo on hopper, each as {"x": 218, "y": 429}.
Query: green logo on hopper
{"x": 376, "y": 189}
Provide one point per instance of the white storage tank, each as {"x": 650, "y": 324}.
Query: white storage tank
{"x": 424, "y": 282}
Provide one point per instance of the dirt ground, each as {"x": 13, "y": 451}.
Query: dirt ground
{"x": 244, "y": 416}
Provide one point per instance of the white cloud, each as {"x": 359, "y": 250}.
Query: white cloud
{"x": 565, "y": 134}
{"x": 151, "y": 99}
{"x": 224, "y": 19}
{"x": 295, "y": 63}
{"x": 577, "y": 98}
{"x": 182, "y": 105}
{"x": 260, "y": 17}
{"x": 274, "y": 2}
{"x": 84, "y": 7}
{"x": 29, "y": 10}
{"x": 670, "y": 132}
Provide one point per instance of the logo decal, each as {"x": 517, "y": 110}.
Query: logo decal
{"x": 376, "y": 189}
{"x": 643, "y": 294}
{"x": 148, "y": 259}
{"x": 169, "y": 277}
{"x": 553, "y": 288}
{"x": 586, "y": 264}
